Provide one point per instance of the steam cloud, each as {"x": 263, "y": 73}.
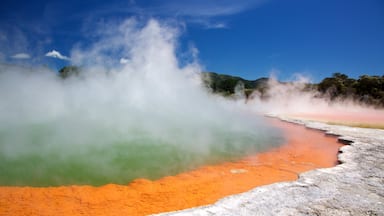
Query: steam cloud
{"x": 114, "y": 112}
{"x": 293, "y": 99}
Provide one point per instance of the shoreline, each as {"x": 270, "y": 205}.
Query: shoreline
{"x": 199, "y": 187}
{"x": 354, "y": 187}
{"x": 363, "y": 119}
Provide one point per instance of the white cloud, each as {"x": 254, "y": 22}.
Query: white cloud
{"x": 211, "y": 25}
{"x": 56, "y": 54}
{"x": 202, "y": 8}
{"x": 219, "y": 25}
{"x": 124, "y": 61}
{"x": 21, "y": 56}
{"x": 209, "y": 14}
{"x": 208, "y": 23}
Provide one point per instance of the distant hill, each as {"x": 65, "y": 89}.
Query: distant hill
{"x": 225, "y": 84}
{"x": 366, "y": 89}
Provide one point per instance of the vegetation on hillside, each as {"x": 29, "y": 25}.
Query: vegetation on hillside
{"x": 226, "y": 84}
{"x": 366, "y": 89}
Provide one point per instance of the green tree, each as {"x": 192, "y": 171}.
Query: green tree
{"x": 371, "y": 85}
{"x": 337, "y": 85}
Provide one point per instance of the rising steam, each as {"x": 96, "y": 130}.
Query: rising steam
{"x": 295, "y": 99}
{"x": 132, "y": 112}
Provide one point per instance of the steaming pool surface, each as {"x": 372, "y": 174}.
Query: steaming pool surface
{"x": 35, "y": 156}
{"x": 304, "y": 149}
{"x": 111, "y": 123}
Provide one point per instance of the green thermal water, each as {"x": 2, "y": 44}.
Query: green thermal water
{"x": 28, "y": 158}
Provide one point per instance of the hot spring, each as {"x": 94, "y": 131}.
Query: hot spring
{"x": 134, "y": 111}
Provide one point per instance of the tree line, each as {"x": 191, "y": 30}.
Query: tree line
{"x": 366, "y": 89}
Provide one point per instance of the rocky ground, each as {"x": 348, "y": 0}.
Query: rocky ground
{"x": 354, "y": 187}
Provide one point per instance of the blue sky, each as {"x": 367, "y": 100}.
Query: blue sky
{"x": 248, "y": 38}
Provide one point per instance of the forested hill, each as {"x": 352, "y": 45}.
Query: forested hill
{"x": 225, "y": 84}
{"x": 366, "y": 89}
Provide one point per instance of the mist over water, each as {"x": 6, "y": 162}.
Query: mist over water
{"x": 294, "y": 99}
{"x": 133, "y": 112}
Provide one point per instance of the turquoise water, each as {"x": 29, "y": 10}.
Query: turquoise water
{"x": 40, "y": 156}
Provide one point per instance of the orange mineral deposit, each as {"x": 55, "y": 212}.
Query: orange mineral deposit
{"x": 305, "y": 149}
